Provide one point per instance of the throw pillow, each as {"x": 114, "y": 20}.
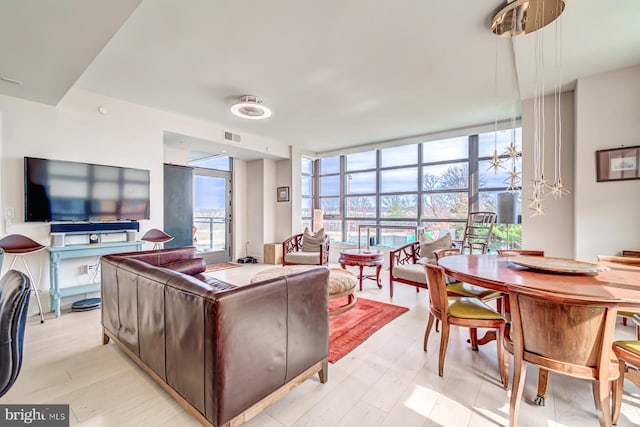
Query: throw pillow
{"x": 428, "y": 246}
{"x": 312, "y": 242}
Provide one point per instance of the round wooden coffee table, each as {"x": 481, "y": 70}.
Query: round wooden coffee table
{"x": 363, "y": 258}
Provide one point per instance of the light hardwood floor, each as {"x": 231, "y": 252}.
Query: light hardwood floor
{"x": 386, "y": 381}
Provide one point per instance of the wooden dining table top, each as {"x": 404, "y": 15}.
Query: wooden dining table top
{"x": 619, "y": 282}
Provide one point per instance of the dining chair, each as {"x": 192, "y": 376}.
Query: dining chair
{"x": 460, "y": 311}
{"x": 477, "y": 232}
{"x": 628, "y": 353}
{"x": 543, "y": 374}
{"x": 461, "y": 289}
{"x": 567, "y": 334}
{"x": 626, "y": 260}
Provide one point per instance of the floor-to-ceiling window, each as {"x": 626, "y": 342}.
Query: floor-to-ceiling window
{"x": 432, "y": 184}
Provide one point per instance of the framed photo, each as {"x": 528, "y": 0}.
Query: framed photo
{"x": 617, "y": 164}
{"x": 283, "y": 194}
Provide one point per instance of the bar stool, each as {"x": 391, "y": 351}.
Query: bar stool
{"x": 20, "y": 246}
{"x": 157, "y": 237}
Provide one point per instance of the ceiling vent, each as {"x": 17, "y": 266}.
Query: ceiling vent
{"x": 250, "y": 107}
{"x": 231, "y": 137}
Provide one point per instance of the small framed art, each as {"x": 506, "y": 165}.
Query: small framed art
{"x": 283, "y": 194}
{"x": 617, "y": 164}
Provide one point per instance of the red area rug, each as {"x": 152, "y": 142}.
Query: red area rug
{"x": 221, "y": 266}
{"x": 351, "y": 328}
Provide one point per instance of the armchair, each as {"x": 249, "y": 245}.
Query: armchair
{"x": 314, "y": 252}
{"x": 406, "y": 262}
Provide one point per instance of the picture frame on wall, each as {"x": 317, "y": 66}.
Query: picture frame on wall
{"x": 618, "y": 164}
{"x": 283, "y": 194}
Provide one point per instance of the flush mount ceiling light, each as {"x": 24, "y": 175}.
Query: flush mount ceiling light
{"x": 250, "y": 107}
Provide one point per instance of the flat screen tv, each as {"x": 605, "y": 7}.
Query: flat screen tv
{"x": 56, "y": 190}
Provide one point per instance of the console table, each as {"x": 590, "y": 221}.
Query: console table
{"x": 57, "y": 253}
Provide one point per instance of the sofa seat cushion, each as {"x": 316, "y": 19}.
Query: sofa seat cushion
{"x": 466, "y": 290}
{"x": 309, "y": 258}
{"x": 410, "y": 272}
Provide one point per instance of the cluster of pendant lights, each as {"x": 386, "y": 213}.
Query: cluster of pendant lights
{"x": 517, "y": 18}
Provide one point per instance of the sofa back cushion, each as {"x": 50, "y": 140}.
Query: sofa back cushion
{"x": 312, "y": 242}
{"x": 427, "y": 246}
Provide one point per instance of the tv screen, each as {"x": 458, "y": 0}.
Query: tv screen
{"x": 57, "y": 190}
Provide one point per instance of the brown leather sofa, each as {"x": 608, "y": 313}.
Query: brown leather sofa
{"x": 224, "y": 352}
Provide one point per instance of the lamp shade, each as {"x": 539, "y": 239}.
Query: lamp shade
{"x": 318, "y": 220}
{"x": 507, "y": 208}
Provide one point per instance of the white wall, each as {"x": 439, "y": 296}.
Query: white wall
{"x": 607, "y": 116}
{"x": 129, "y": 135}
{"x": 554, "y": 231}
{"x": 598, "y": 218}
{"x": 270, "y": 213}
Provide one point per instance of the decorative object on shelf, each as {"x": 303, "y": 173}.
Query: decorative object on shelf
{"x": 523, "y": 17}
{"x": 250, "y": 107}
{"x": 283, "y": 194}
{"x": 617, "y": 164}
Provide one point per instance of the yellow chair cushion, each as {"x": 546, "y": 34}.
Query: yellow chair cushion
{"x": 467, "y": 290}
{"x": 629, "y": 314}
{"x": 630, "y": 346}
{"x": 471, "y": 308}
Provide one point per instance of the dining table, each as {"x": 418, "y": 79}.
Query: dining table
{"x": 607, "y": 281}
{"x": 601, "y": 281}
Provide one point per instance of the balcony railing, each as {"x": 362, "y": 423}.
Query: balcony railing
{"x": 210, "y": 233}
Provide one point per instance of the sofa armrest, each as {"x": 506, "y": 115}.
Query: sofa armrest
{"x": 268, "y": 333}
{"x": 191, "y": 266}
{"x": 292, "y": 244}
{"x": 407, "y": 254}
{"x": 324, "y": 251}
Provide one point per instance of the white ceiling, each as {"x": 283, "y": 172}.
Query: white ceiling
{"x": 336, "y": 73}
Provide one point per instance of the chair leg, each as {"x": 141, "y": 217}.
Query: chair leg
{"x": 473, "y": 338}
{"x": 503, "y": 362}
{"x": 618, "y": 386}
{"x": 543, "y": 382}
{"x": 601, "y": 391}
{"x": 437, "y": 325}
{"x": 519, "y": 374}
{"x": 444, "y": 342}
{"x": 428, "y": 330}
{"x": 35, "y": 288}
